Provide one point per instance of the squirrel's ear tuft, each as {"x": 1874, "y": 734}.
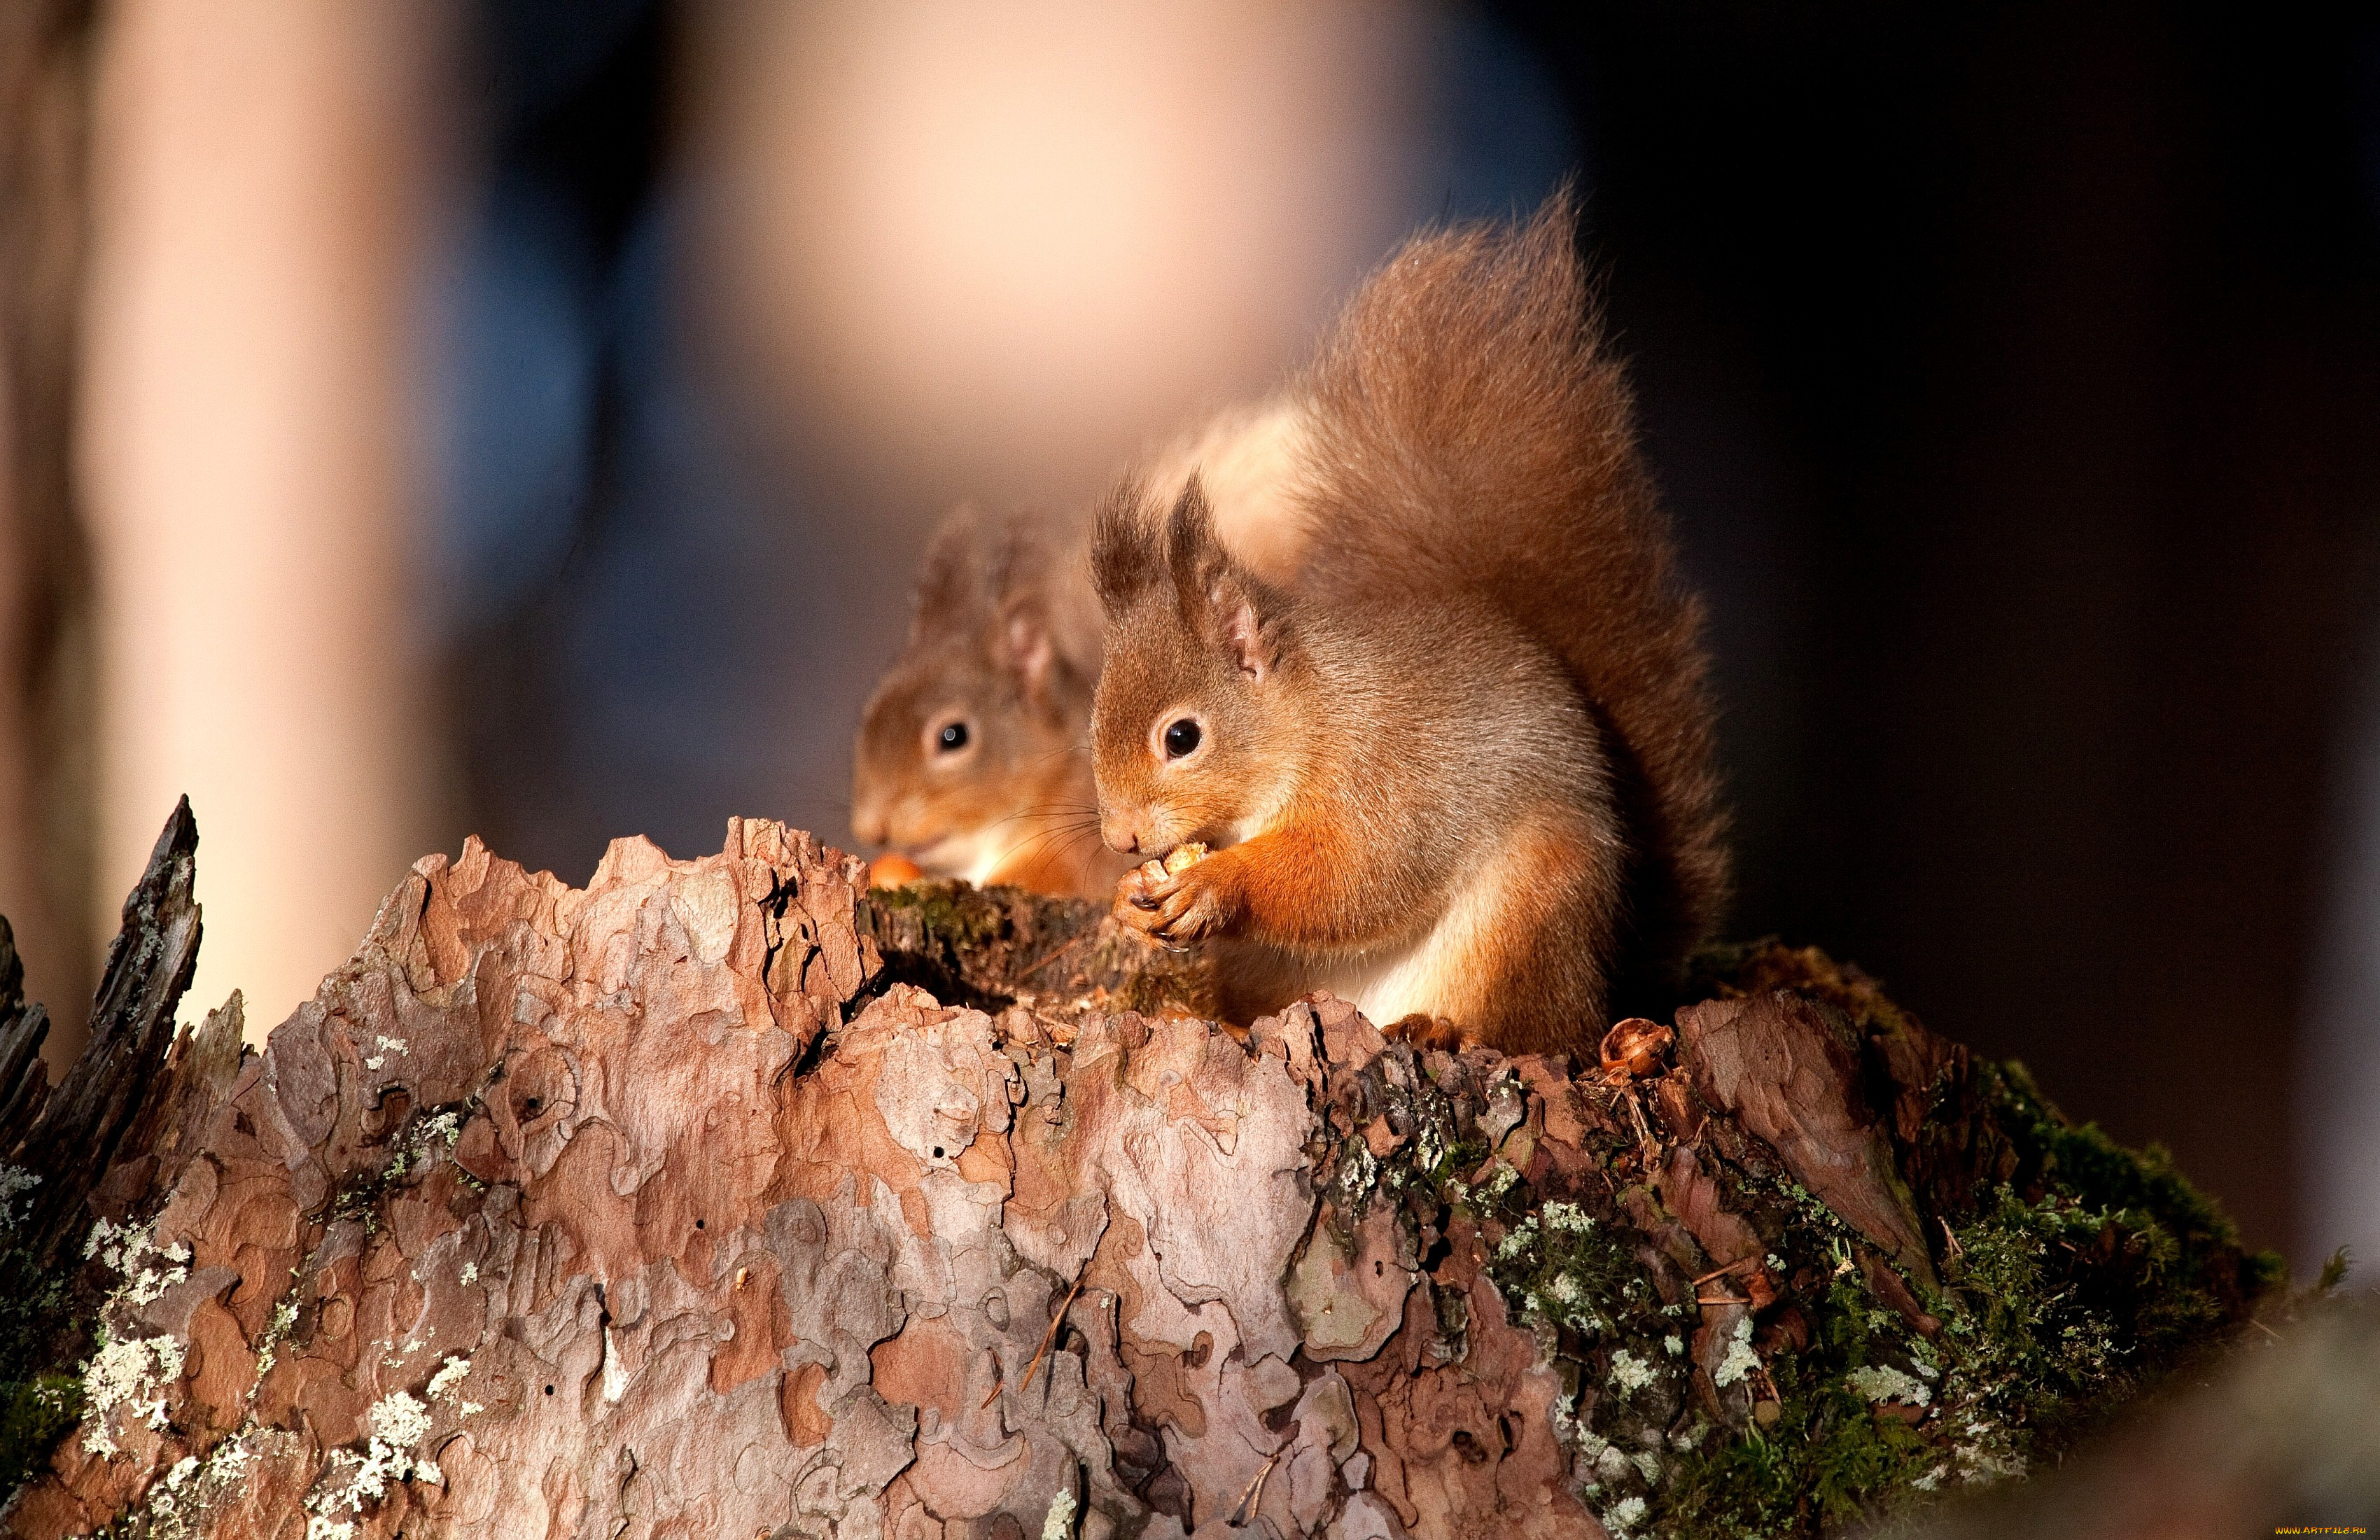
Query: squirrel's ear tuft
{"x": 1193, "y": 553}
{"x": 950, "y": 580}
{"x": 1220, "y": 600}
{"x": 1127, "y": 558}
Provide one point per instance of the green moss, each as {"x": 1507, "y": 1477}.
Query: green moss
{"x": 2189, "y": 1245}
{"x": 1831, "y": 1455}
{"x": 955, "y": 915}
{"x": 36, "y": 1317}
{"x": 34, "y": 1414}
{"x": 2065, "y": 1290}
{"x": 1830, "y": 1458}
{"x": 45, "y": 1327}
{"x": 2057, "y": 1308}
{"x": 2069, "y": 1290}
{"x": 2089, "y": 1166}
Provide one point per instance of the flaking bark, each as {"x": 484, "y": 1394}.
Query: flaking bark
{"x": 679, "y": 1206}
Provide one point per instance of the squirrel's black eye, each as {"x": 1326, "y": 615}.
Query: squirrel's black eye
{"x": 952, "y": 738}
{"x": 1181, "y": 738}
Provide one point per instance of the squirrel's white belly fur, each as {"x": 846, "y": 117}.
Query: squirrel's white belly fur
{"x": 1434, "y": 974}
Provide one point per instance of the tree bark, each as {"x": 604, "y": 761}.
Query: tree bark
{"x": 678, "y": 1206}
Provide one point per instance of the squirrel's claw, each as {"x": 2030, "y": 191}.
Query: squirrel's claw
{"x": 1426, "y": 1031}
{"x": 1177, "y": 910}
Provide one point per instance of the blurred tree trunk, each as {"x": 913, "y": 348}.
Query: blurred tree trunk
{"x": 266, "y": 182}
{"x": 46, "y": 724}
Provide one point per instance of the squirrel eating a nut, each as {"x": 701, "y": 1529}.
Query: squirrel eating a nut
{"x": 1457, "y": 764}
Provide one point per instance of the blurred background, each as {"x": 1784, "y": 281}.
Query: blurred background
{"x": 521, "y": 417}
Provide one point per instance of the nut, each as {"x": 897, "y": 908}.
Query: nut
{"x": 893, "y": 869}
{"x": 1635, "y": 1046}
{"x": 1176, "y": 861}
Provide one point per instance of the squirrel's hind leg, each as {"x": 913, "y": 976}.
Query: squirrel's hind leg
{"x": 1521, "y": 958}
{"x": 1425, "y": 1031}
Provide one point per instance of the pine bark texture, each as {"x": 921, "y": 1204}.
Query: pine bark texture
{"x": 678, "y": 1206}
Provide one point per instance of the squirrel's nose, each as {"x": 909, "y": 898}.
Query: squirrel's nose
{"x": 868, "y": 825}
{"x": 1121, "y": 832}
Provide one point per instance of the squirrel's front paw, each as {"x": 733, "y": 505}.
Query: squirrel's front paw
{"x": 1177, "y": 909}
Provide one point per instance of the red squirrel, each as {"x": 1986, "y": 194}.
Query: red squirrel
{"x": 1459, "y": 764}
{"x": 972, "y": 758}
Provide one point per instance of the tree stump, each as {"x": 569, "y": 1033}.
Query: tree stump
{"x": 722, "y": 1198}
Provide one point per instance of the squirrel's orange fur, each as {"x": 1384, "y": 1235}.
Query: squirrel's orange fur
{"x": 1460, "y": 764}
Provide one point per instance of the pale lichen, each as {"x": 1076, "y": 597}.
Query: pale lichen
{"x": 192, "y": 1492}
{"x": 128, "y": 1374}
{"x": 1629, "y": 1374}
{"x": 400, "y": 1420}
{"x": 450, "y": 1374}
{"x": 1567, "y": 1217}
{"x": 1882, "y": 1382}
{"x": 1740, "y": 1359}
{"x": 284, "y": 1315}
{"x": 15, "y": 1182}
{"x": 352, "y": 1481}
{"x": 148, "y": 1269}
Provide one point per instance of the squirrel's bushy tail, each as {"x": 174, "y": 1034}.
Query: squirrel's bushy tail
{"x": 1469, "y": 429}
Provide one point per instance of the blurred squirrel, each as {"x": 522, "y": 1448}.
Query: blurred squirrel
{"x": 973, "y": 758}
{"x": 1458, "y": 764}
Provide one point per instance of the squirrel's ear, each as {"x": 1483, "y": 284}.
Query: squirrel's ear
{"x": 1243, "y": 636}
{"x": 1026, "y": 650}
